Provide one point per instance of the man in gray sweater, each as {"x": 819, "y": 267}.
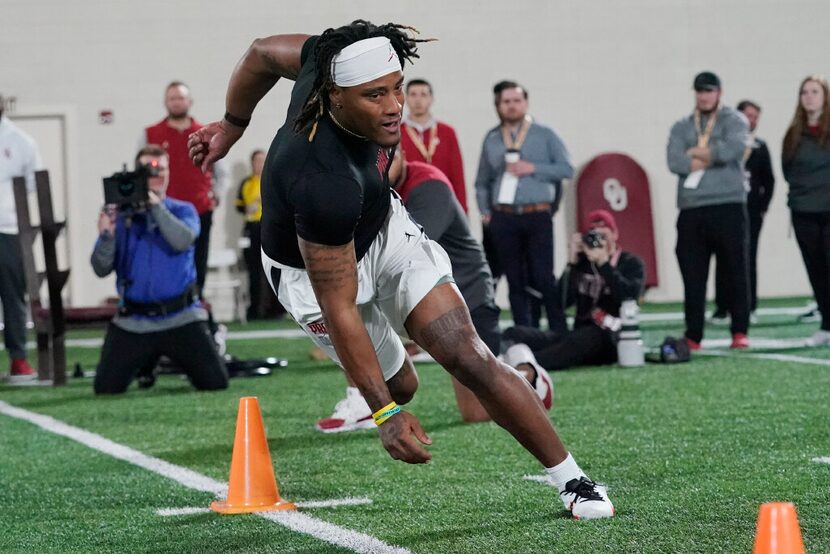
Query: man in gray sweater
{"x": 520, "y": 174}
{"x": 706, "y": 151}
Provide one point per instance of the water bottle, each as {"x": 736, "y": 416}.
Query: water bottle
{"x": 630, "y": 345}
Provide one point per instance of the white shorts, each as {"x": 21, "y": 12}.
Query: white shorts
{"x": 400, "y": 268}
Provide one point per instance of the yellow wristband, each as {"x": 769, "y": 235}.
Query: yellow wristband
{"x": 385, "y": 408}
{"x": 385, "y": 413}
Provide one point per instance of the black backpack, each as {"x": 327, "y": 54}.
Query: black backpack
{"x": 672, "y": 351}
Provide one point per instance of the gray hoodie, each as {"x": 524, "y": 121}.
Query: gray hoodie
{"x": 724, "y": 182}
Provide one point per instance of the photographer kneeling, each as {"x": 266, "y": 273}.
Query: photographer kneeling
{"x": 148, "y": 240}
{"x": 599, "y": 277}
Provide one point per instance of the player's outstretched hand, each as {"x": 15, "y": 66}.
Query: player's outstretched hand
{"x": 396, "y": 435}
{"x": 212, "y": 142}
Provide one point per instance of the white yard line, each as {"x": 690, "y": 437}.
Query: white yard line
{"x": 822, "y": 460}
{"x": 763, "y": 356}
{"x": 301, "y": 523}
{"x": 538, "y": 478}
{"x": 308, "y": 504}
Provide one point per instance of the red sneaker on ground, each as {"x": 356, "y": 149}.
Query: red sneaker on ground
{"x": 694, "y": 346}
{"x": 739, "y": 341}
{"x": 21, "y": 368}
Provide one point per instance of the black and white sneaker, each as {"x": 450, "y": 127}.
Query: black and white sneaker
{"x": 586, "y": 499}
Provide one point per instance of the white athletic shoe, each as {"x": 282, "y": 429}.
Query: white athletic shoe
{"x": 819, "y": 338}
{"x": 586, "y": 499}
{"x": 220, "y": 338}
{"x": 350, "y": 414}
{"x": 521, "y": 354}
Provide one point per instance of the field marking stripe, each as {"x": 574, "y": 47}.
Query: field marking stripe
{"x": 301, "y": 523}
{"x": 774, "y": 357}
{"x": 181, "y": 475}
{"x": 360, "y": 501}
{"x": 166, "y": 512}
{"x": 538, "y": 478}
{"x": 822, "y": 460}
{"x": 181, "y": 511}
{"x": 331, "y": 533}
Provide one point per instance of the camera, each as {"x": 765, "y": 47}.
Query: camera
{"x": 128, "y": 189}
{"x": 593, "y": 239}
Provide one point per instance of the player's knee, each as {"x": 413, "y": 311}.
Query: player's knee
{"x": 403, "y": 385}
{"x": 471, "y": 364}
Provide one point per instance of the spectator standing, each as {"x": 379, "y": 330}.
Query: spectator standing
{"x": 249, "y": 203}
{"x": 19, "y": 156}
{"x": 425, "y": 139}
{"x": 761, "y": 185}
{"x": 520, "y": 174}
{"x": 188, "y": 182}
{"x": 806, "y": 165}
{"x": 706, "y": 152}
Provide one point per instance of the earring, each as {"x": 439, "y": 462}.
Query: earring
{"x": 339, "y": 106}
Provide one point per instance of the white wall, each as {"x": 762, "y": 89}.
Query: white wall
{"x": 608, "y": 75}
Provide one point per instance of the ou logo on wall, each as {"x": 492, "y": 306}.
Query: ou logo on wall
{"x": 615, "y": 193}
{"x": 617, "y": 183}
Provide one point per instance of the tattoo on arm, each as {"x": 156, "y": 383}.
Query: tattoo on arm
{"x": 330, "y": 268}
{"x": 447, "y": 328}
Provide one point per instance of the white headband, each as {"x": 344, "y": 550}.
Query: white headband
{"x": 364, "y": 61}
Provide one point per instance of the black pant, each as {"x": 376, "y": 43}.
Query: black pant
{"x": 720, "y": 230}
{"x": 490, "y": 253}
{"x": 190, "y": 347}
{"x": 524, "y": 244}
{"x": 812, "y": 230}
{"x": 253, "y": 261}
{"x": 486, "y": 322}
{"x": 12, "y": 296}
{"x": 202, "y": 246}
{"x": 585, "y": 345}
{"x": 722, "y": 292}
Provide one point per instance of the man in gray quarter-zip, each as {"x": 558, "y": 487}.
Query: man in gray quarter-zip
{"x": 706, "y": 151}
{"x": 520, "y": 174}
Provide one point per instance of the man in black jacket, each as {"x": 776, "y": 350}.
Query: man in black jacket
{"x": 599, "y": 277}
{"x": 761, "y": 184}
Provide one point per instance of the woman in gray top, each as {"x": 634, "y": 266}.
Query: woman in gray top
{"x": 806, "y": 165}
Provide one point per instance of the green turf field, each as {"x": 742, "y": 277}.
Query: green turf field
{"x": 688, "y": 452}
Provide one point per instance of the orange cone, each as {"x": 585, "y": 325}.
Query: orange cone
{"x": 778, "y": 531}
{"x": 252, "y": 486}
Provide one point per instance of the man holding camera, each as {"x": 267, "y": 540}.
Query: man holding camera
{"x": 149, "y": 245}
{"x": 599, "y": 277}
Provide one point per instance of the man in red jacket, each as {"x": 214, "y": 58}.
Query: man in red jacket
{"x": 425, "y": 139}
{"x": 188, "y": 182}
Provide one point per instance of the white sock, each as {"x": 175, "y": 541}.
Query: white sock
{"x": 564, "y": 471}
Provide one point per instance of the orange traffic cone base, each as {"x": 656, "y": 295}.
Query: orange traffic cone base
{"x": 223, "y": 507}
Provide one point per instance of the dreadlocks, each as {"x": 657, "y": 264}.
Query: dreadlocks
{"x": 330, "y": 43}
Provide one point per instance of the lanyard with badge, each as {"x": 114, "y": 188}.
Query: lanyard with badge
{"x": 426, "y": 151}
{"x": 509, "y": 182}
{"x": 703, "y": 135}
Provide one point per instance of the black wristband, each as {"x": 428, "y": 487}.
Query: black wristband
{"x": 238, "y": 121}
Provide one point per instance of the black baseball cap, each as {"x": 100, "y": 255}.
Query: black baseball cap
{"x": 706, "y": 80}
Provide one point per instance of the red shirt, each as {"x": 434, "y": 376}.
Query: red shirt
{"x": 187, "y": 182}
{"x": 447, "y": 155}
